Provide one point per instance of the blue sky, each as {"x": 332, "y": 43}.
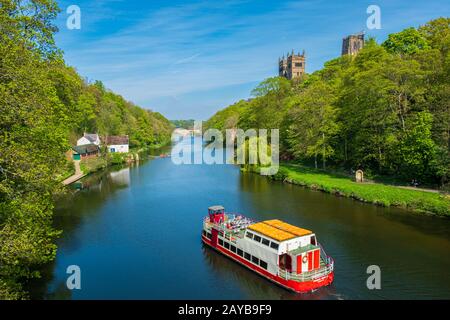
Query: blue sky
{"x": 188, "y": 59}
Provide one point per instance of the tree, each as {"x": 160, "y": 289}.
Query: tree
{"x": 417, "y": 150}
{"x": 314, "y": 123}
{"x": 32, "y": 142}
{"x": 43, "y": 104}
{"x": 437, "y": 34}
{"x": 269, "y": 107}
{"x": 33, "y": 22}
{"x": 409, "y": 41}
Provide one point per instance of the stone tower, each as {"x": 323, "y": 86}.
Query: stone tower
{"x": 293, "y": 66}
{"x": 352, "y": 44}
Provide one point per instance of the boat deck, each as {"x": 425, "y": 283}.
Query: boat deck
{"x": 234, "y": 225}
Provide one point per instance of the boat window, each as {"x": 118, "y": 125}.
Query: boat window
{"x": 313, "y": 240}
{"x": 227, "y": 245}
{"x": 221, "y": 242}
{"x": 209, "y": 235}
{"x": 247, "y": 256}
{"x": 240, "y": 252}
{"x": 255, "y": 260}
{"x": 274, "y": 245}
{"x": 249, "y": 235}
{"x": 204, "y": 232}
{"x": 257, "y": 238}
{"x": 233, "y": 249}
{"x": 265, "y": 242}
{"x": 263, "y": 264}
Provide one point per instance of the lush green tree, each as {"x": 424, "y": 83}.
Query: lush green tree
{"x": 32, "y": 141}
{"x": 269, "y": 106}
{"x": 33, "y": 22}
{"x": 44, "y": 107}
{"x": 360, "y": 111}
{"x": 313, "y": 123}
{"x": 409, "y": 41}
{"x": 437, "y": 34}
{"x": 417, "y": 150}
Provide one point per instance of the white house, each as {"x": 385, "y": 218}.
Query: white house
{"x": 117, "y": 144}
{"x": 89, "y": 138}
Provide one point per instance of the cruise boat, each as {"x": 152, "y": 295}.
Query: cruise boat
{"x": 282, "y": 253}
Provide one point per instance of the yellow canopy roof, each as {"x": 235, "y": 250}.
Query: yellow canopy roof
{"x": 288, "y": 227}
{"x": 278, "y": 230}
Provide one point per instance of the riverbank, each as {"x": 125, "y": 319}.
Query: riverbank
{"x": 375, "y": 193}
{"x": 89, "y": 166}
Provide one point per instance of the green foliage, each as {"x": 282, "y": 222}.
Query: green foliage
{"x": 185, "y": 124}
{"x": 93, "y": 164}
{"x": 437, "y": 34}
{"x": 386, "y": 111}
{"x": 313, "y": 122}
{"x": 117, "y": 158}
{"x": 227, "y": 118}
{"x": 409, "y": 41}
{"x": 44, "y": 107}
{"x": 416, "y": 148}
{"x": 32, "y": 141}
{"x": 93, "y": 108}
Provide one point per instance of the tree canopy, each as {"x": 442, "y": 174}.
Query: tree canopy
{"x": 386, "y": 110}
{"x": 44, "y": 107}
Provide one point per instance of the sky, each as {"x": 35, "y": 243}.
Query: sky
{"x": 189, "y": 59}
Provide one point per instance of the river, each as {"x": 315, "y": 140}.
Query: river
{"x": 135, "y": 234}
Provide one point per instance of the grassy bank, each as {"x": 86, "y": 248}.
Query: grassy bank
{"x": 375, "y": 193}
{"x": 89, "y": 166}
{"x": 92, "y": 165}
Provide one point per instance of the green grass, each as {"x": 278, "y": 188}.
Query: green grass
{"x": 376, "y": 193}
{"x": 92, "y": 165}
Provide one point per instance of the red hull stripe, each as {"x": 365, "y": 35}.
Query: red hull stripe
{"x": 299, "y": 287}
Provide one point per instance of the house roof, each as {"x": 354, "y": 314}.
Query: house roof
{"x": 89, "y": 148}
{"x": 117, "y": 140}
{"x": 92, "y": 137}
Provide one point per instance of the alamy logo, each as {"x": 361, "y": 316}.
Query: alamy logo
{"x": 74, "y": 280}
{"x": 74, "y": 20}
{"x": 374, "y": 280}
{"x": 374, "y": 20}
{"x": 250, "y": 147}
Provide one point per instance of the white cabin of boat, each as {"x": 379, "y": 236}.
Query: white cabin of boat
{"x": 274, "y": 245}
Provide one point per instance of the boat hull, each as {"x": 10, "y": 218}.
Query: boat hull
{"x": 295, "y": 286}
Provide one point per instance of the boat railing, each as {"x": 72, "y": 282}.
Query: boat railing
{"x": 311, "y": 275}
{"x": 223, "y": 228}
{"x": 323, "y": 255}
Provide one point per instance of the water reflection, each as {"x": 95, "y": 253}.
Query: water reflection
{"x": 78, "y": 205}
{"x": 121, "y": 177}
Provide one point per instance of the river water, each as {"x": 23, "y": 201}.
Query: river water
{"x": 135, "y": 234}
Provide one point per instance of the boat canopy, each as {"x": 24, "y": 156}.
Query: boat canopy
{"x": 279, "y": 230}
{"x": 288, "y": 228}
{"x": 216, "y": 208}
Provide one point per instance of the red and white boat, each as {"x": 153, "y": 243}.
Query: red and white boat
{"x": 285, "y": 254}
